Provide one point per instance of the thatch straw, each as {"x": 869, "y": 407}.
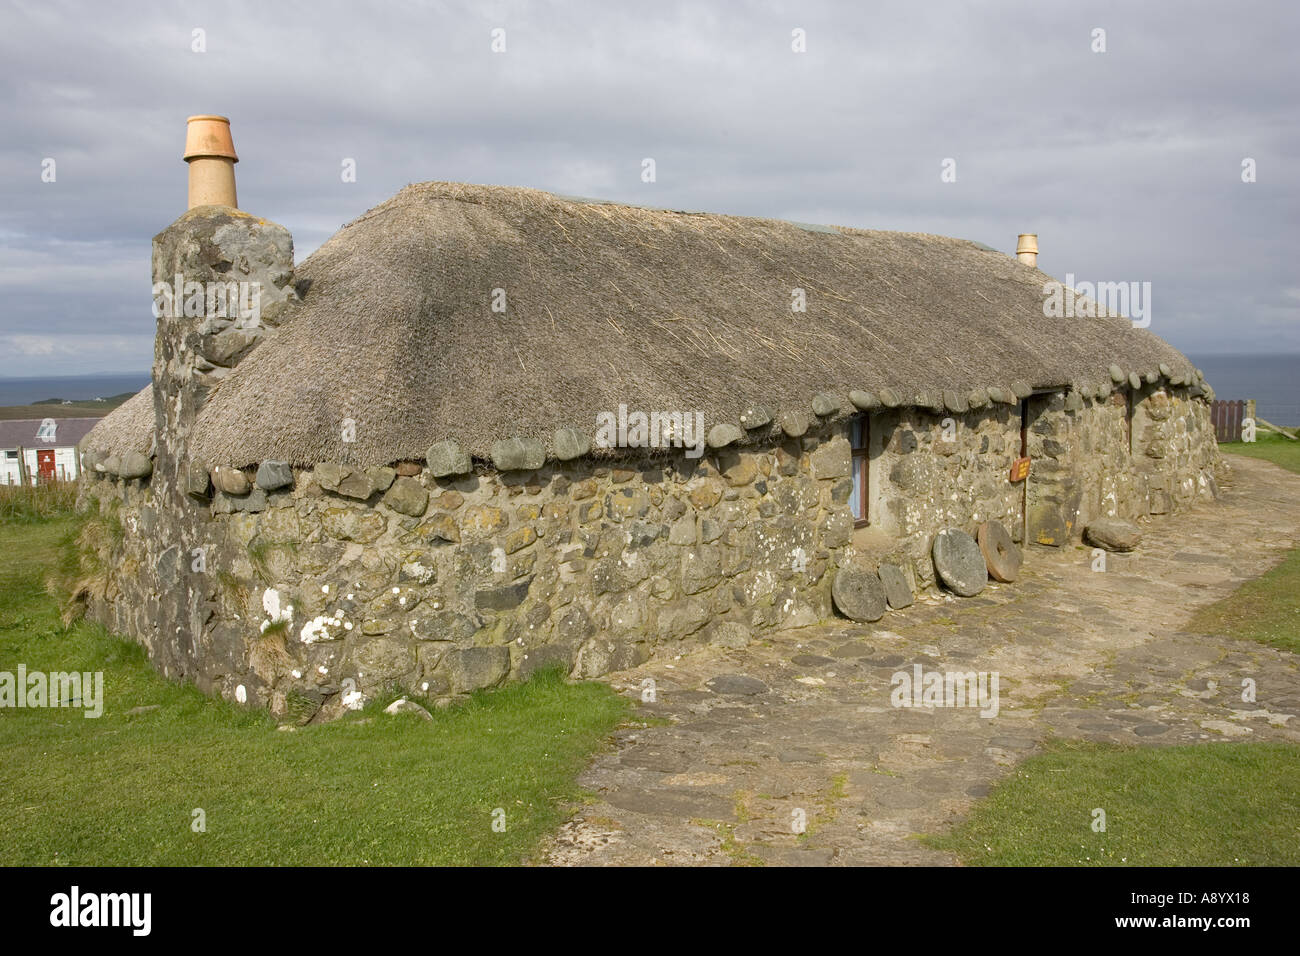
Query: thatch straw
{"x": 129, "y": 427}
{"x": 611, "y": 305}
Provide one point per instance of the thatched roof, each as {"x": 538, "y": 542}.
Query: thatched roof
{"x": 129, "y": 427}
{"x": 608, "y": 305}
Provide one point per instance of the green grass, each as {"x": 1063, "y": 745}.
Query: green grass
{"x": 28, "y": 503}
{"x": 121, "y": 789}
{"x": 1268, "y": 446}
{"x": 1265, "y": 609}
{"x": 1222, "y": 804}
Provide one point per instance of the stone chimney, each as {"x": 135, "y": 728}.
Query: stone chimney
{"x": 1027, "y": 248}
{"x": 223, "y": 280}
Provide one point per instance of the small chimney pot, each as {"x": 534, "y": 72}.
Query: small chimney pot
{"x": 1027, "y": 248}
{"x": 210, "y": 152}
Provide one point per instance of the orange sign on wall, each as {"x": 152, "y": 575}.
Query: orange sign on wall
{"x": 1019, "y": 469}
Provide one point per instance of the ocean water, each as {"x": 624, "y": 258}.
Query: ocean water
{"x": 1273, "y": 381}
{"x": 25, "y": 391}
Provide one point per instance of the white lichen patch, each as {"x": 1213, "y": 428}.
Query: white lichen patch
{"x": 354, "y": 700}
{"x": 275, "y": 613}
{"x": 418, "y": 571}
{"x": 317, "y": 629}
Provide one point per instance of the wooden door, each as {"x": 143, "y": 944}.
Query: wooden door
{"x": 45, "y": 464}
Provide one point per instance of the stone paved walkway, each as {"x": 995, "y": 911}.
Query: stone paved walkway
{"x": 717, "y": 778}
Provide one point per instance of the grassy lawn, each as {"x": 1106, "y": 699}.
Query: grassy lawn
{"x": 1270, "y": 447}
{"x": 1222, "y": 804}
{"x": 122, "y": 789}
{"x": 1265, "y": 609}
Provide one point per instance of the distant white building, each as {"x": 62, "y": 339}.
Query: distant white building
{"x": 44, "y": 449}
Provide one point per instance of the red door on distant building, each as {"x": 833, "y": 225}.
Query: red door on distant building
{"x": 45, "y": 463}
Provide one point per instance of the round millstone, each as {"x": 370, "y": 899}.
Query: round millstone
{"x": 1134, "y": 380}
{"x": 897, "y": 591}
{"x": 1000, "y": 553}
{"x": 858, "y": 594}
{"x": 824, "y": 403}
{"x": 863, "y": 401}
{"x": 890, "y": 398}
{"x": 1116, "y": 374}
{"x": 959, "y": 562}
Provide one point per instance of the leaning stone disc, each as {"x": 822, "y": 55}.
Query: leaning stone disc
{"x": 858, "y": 593}
{"x": 1000, "y": 552}
{"x": 897, "y": 591}
{"x": 959, "y": 563}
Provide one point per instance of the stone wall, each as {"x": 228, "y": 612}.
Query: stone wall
{"x": 934, "y": 470}
{"x": 306, "y": 591}
{"x": 444, "y": 585}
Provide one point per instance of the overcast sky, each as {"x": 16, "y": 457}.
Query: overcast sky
{"x": 1127, "y": 163}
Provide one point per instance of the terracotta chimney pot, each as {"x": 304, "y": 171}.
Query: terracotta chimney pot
{"x": 210, "y": 151}
{"x": 1027, "y": 248}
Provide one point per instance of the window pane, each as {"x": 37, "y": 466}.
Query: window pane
{"x": 859, "y": 487}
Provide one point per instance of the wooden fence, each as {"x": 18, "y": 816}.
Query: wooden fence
{"x": 1226, "y": 417}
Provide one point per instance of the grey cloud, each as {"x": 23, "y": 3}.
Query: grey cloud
{"x": 1126, "y": 163}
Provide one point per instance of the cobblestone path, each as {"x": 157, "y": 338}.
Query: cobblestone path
{"x": 725, "y": 764}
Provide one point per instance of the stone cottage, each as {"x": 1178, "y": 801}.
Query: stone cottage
{"x": 484, "y": 430}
